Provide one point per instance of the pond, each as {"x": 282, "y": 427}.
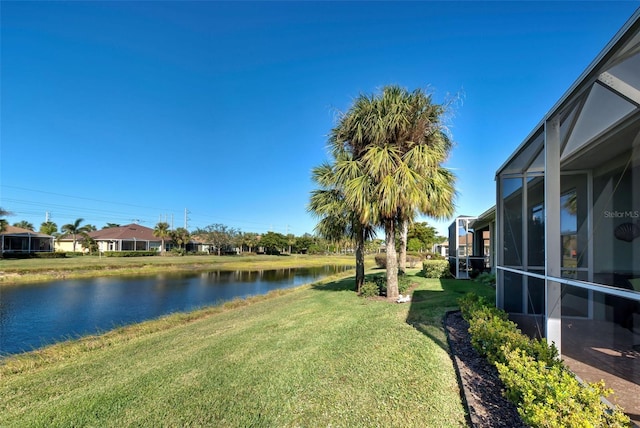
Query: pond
{"x": 32, "y": 316}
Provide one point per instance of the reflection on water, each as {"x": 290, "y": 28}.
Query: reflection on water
{"x": 34, "y": 315}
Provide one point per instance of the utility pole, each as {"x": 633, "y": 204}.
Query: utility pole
{"x": 186, "y": 219}
{"x": 46, "y": 217}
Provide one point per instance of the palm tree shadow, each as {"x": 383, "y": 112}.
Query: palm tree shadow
{"x": 345, "y": 284}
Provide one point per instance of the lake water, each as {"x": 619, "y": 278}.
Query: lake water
{"x": 32, "y": 316}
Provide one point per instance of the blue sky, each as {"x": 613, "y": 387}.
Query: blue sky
{"x": 123, "y": 111}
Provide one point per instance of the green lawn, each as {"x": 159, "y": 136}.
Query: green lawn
{"x": 313, "y": 356}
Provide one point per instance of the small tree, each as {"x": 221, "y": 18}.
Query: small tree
{"x": 74, "y": 229}
{"x": 221, "y": 236}
{"x": 273, "y": 242}
{"x": 161, "y": 231}
{"x": 48, "y": 228}
{"x": 181, "y": 237}
{"x": 3, "y": 222}
{"x": 24, "y": 225}
{"x": 89, "y": 244}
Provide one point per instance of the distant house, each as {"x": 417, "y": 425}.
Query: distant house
{"x": 19, "y": 240}
{"x": 132, "y": 237}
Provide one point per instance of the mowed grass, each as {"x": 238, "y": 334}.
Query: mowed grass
{"x": 314, "y": 356}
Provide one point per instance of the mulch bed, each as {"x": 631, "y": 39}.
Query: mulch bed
{"x": 481, "y": 388}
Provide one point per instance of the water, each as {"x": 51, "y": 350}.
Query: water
{"x": 32, "y": 316}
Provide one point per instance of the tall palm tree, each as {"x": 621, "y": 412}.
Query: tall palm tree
{"x": 338, "y": 220}
{"x": 397, "y": 144}
{"x": 162, "y": 231}
{"x": 74, "y": 229}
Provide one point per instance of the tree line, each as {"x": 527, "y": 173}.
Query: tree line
{"x": 225, "y": 239}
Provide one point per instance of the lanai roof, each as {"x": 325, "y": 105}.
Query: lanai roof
{"x": 19, "y": 231}
{"x": 604, "y": 101}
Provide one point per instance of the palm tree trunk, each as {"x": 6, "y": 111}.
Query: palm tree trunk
{"x": 392, "y": 258}
{"x": 404, "y": 232}
{"x": 359, "y": 258}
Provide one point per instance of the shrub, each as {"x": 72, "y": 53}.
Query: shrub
{"x": 369, "y": 289}
{"x": 537, "y": 381}
{"x": 435, "y": 269}
{"x": 381, "y": 260}
{"x": 553, "y": 397}
{"x": 486, "y": 278}
{"x": 130, "y": 253}
{"x": 56, "y": 255}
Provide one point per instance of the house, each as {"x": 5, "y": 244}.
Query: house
{"x": 132, "y": 237}
{"x": 18, "y": 240}
{"x": 567, "y": 223}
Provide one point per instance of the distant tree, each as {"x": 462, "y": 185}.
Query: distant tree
{"x": 88, "y": 243}
{"x": 90, "y": 228}
{"x": 273, "y": 242}
{"x": 304, "y": 243}
{"x": 48, "y": 228}
{"x": 162, "y": 231}
{"x": 181, "y": 237}
{"x": 111, "y": 225}
{"x": 24, "y": 225}
{"x": 221, "y": 236}
{"x": 423, "y": 236}
{"x": 250, "y": 239}
{"x": 3, "y": 222}
{"x": 74, "y": 229}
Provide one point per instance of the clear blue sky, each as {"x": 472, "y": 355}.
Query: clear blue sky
{"x": 115, "y": 111}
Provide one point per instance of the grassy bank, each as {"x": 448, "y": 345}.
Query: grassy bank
{"x": 20, "y": 271}
{"x": 313, "y": 356}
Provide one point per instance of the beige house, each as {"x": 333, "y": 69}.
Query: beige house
{"x": 131, "y": 237}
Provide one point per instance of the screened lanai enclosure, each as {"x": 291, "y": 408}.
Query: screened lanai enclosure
{"x": 470, "y": 246}
{"x": 568, "y": 223}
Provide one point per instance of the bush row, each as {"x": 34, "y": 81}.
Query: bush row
{"x": 43, "y": 255}
{"x": 537, "y": 381}
{"x": 413, "y": 259}
{"x": 129, "y": 253}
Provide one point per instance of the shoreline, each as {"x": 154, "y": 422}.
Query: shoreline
{"x": 32, "y": 271}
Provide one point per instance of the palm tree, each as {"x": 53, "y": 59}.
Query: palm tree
{"x": 181, "y": 237}
{"x": 74, "y": 229}
{"x": 48, "y": 228}
{"x": 338, "y": 219}
{"x": 4, "y": 223}
{"x": 389, "y": 149}
{"x": 24, "y": 224}
{"x": 162, "y": 231}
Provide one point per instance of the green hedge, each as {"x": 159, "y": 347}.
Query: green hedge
{"x": 435, "y": 269}
{"x": 42, "y": 255}
{"x": 546, "y": 393}
{"x": 130, "y": 253}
